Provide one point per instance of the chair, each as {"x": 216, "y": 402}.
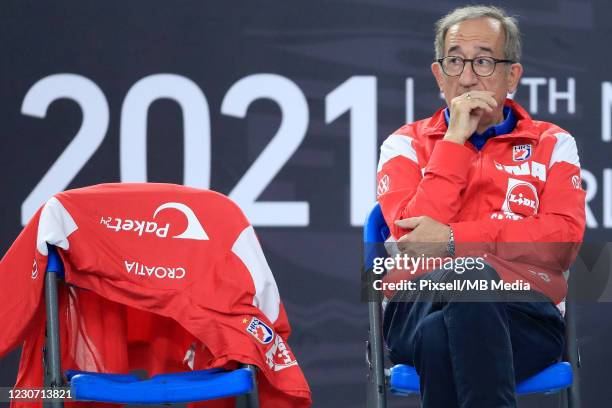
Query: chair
{"x": 201, "y": 385}
{"x": 403, "y": 380}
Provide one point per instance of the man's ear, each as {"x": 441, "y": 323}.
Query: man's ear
{"x": 436, "y": 70}
{"x": 514, "y": 76}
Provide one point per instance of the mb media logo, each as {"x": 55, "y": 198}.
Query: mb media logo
{"x": 194, "y": 229}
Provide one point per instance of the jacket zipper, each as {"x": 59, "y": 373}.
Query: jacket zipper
{"x": 479, "y": 179}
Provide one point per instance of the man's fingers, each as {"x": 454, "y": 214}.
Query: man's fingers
{"x": 483, "y": 96}
{"x": 463, "y": 104}
{"x": 487, "y": 108}
{"x": 479, "y": 104}
{"x": 409, "y": 223}
{"x": 404, "y": 238}
{"x": 404, "y": 244}
{"x": 484, "y": 100}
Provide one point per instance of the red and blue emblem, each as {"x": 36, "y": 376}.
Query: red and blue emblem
{"x": 521, "y": 152}
{"x": 261, "y": 331}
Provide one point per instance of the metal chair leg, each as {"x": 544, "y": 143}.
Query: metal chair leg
{"x": 53, "y": 370}
{"x": 376, "y": 389}
{"x": 573, "y": 355}
{"x": 252, "y": 399}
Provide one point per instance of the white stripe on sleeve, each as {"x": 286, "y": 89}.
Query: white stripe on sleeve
{"x": 248, "y": 250}
{"x": 565, "y": 150}
{"x": 54, "y": 226}
{"x": 396, "y": 145}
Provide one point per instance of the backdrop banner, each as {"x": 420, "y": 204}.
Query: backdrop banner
{"x": 283, "y": 106}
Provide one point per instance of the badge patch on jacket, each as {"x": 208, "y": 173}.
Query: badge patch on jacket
{"x": 383, "y": 185}
{"x": 261, "y": 331}
{"x": 521, "y": 152}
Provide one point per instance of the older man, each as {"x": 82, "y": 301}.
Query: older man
{"x": 475, "y": 177}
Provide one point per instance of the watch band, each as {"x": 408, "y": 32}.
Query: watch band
{"x": 450, "y": 247}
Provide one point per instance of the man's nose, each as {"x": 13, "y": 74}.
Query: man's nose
{"x": 468, "y": 77}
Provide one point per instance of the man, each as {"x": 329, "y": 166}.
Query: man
{"x": 479, "y": 178}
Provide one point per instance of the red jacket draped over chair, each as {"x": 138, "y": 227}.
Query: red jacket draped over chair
{"x": 160, "y": 277}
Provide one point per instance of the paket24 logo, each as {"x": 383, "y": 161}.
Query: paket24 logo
{"x": 194, "y": 228}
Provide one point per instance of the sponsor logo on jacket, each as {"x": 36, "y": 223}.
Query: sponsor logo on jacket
{"x": 576, "y": 182}
{"x": 383, "y": 185}
{"x": 194, "y": 228}
{"x": 504, "y": 215}
{"x": 159, "y": 272}
{"x": 521, "y": 198}
{"x": 279, "y": 356}
{"x": 261, "y": 331}
{"x": 521, "y": 152}
{"x": 533, "y": 168}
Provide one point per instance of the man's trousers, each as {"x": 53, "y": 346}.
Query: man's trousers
{"x": 469, "y": 352}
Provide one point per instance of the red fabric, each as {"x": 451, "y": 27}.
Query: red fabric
{"x": 140, "y": 298}
{"x": 496, "y": 200}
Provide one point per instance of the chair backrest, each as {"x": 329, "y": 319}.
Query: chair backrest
{"x": 142, "y": 247}
{"x": 375, "y": 233}
{"x": 375, "y": 228}
{"x": 122, "y": 388}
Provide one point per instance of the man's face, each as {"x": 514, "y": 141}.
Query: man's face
{"x": 477, "y": 38}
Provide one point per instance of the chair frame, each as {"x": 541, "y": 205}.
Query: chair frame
{"x": 374, "y": 232}
{"x": 53, "y": 377}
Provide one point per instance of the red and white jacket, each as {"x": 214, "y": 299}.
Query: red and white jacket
{"x": 159, "y": 277}
{"x": 520, "y": 192}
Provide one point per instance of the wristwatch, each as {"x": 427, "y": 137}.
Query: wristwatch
{"x": 450, "y": 246}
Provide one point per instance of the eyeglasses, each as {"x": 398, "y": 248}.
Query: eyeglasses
{"x": 482, "y": 66}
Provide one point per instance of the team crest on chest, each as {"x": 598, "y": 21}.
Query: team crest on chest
{"x": 521, "y": 152}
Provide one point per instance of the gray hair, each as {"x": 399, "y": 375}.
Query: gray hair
{"x": 512, "y": 43}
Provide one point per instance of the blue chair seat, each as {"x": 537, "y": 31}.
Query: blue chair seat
{"x": 404, "y": 380}
{"x": 160, "y": 389}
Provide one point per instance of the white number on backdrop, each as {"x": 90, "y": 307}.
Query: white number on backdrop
{"x": 294, "y": 113}
{"x": 591, "y": 191}
{"x": 94, "y": 106}
{"x": 357, "y": 95}
{"x": 196, "y": 125}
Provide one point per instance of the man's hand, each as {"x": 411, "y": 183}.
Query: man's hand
{"x": 466, "y": 110}
{"x": 428, "y": 237}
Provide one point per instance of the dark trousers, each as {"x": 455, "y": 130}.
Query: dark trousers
{"x": 471, "y": 353}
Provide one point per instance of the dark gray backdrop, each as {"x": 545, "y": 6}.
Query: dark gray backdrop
{"x": 367, "y": 58}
